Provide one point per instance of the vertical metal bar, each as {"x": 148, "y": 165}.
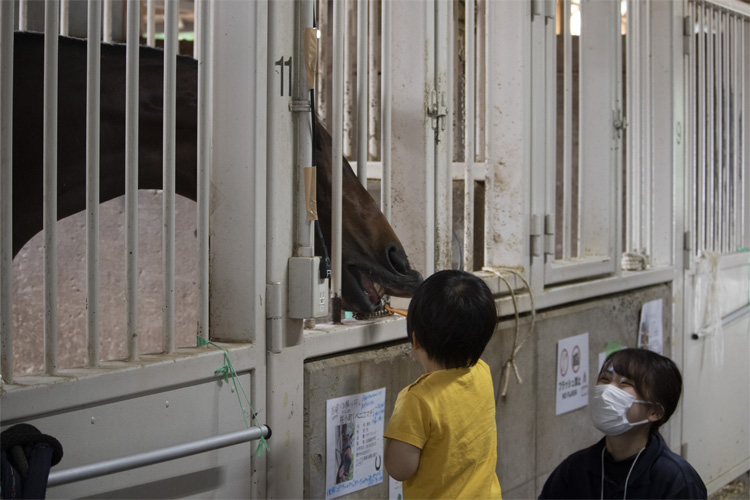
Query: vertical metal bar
{"x": 646, "y": 166}
{"x": 23, "y": 15}
{"x": 51, "y": 28}
{"x": 700, "y": 125}
{"x": 567, "y": 132}
{"x": 64, "y": 17}
{"x": 151, "y": 23}
{"x": 469, "y": 156}
{"x": 131, "y": 175}
{"x": 374, "y": 91}
{"x": 362, "y": 90}
{"x": 6, "y": 191}
{"x": 107, "y": 20}
{"x": 744, "y": 142}
{"x": 734, "y": 166}
{"x": 385, "y": 103}
{"x": 725, "y": 135}
{"x": 719, "y": 124}
{"x": 171, "y": 10}
{"x": 633, "y": 101}
{"x": 337, "y": 131}
{"x": 204, "y": 155}
{"x": 710, "y": 128}
{"x": 197, "y": 14}
{"x": 350, "y": 106}
{"x": 93, "y": 94}
{"x": 480, "y": 81}
{"x": 691, "y": 130}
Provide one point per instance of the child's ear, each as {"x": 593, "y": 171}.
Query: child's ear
{"x": 415, "y": 343}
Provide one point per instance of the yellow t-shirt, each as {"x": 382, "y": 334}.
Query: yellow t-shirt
{"x": 450, "y": 416}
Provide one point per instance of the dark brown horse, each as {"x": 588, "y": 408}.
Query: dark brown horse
{"x": 373, "y": 260}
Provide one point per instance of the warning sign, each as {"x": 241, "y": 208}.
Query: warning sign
{"x": 572, "y": 373}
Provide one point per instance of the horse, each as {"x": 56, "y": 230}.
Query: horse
{"x": 374, "y": 262}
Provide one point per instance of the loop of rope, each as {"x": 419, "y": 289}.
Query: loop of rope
{"x": 226, "y": 371}
{"x": 511, "y": 362}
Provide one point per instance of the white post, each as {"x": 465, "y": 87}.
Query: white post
{"x": 131, "y": 175}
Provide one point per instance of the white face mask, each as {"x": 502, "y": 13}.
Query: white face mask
{"x": 609, "y": 408}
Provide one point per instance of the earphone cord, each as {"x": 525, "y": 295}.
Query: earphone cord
{"x": 625, "y": 495}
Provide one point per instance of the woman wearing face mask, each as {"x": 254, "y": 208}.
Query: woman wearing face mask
{"x": 637, "y": 391}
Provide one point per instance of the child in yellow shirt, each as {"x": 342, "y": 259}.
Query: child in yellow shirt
{"x": 442, "y": 435}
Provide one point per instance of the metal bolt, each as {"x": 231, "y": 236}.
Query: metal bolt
{"x": 93, "y": 420}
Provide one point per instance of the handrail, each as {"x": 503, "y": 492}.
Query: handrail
{"x": 74, "y": 474}
{"x": 733, "y": 316}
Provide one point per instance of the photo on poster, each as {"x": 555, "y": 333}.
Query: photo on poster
{"x": 650, "y": 330}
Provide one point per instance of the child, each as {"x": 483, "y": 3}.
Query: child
{"x": 636, "y": 393}
{"x": 442, "y": 436}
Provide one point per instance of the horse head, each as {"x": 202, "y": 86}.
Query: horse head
{"x": 373, "y": 260}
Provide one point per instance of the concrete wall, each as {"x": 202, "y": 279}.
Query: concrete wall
{"x": 531, "y": 439}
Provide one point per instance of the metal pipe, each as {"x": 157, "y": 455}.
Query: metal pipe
{"x": 373, "y": 146}
{"x": 700, "y": 122}
{"x": 385, "y": 110}
{"x": 304, "y": 238}
{"x": 337, "y": 131}
{"x": 151, "y": 23}
{"x": 58, "y": 478}
{"x": 93, "y": 95}
{"x": 362, "y": 90}
{"x": 131, "y": 175}
{"x": 51, "y": 27}
{"x": 6, "y": 191}
{"x": 64, "y": 17}
{"x": 204, "y": 159}
{"x": 107, "y": 20}
{"x": 23, "y": 15}
{"x": 469, "y": 157}
{"x": 567, "y": 216}
{"x": 171, "y": 9}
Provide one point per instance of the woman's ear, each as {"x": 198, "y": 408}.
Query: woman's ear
{"x": 655, "y": 412}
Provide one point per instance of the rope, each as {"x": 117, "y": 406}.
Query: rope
{"x": 511, "y": 362}
{"x": 226, "y": 371}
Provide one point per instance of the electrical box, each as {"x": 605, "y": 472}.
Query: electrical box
{"x": 308, "y": 294}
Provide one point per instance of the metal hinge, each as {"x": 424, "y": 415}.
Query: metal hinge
{"x": 687, "y": 33}
{"x": 437, "y": 110}
{"x": 537, "y": 232}
{"x": 549, "y": 234}
{"x": 619, "y": 121}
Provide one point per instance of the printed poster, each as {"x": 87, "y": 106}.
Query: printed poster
{"x": 650, "y": 331}
{"x": 572, "y": 373}
{"x": 354, "y": 442}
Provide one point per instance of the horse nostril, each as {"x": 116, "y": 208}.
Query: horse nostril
{"x": 398, "y": 260}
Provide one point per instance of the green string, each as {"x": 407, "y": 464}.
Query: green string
{"x": 226, "y": 371}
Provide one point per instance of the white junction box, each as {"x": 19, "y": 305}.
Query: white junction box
{"x": 308, "y": 294}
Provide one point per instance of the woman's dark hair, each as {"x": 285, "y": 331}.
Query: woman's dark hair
{"x": 655, "y": 377}
{"x": 453, "y": 316}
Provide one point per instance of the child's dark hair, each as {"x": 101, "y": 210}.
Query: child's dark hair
{"x": 655, "y": 377}
{"x": 453, "y": 317}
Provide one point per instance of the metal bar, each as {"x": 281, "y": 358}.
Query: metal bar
{"x": 567, "y": 181}
{"x": 58, "y": 478}
{"x": 646, "y": 166}
{"x": 385, "y": 107}
{"x": 719, "y": 145}
{"x": 93, "y": 99}
{"x": 51, "y": 27}
{"x": 362, "y": 89}
{"x": 469, "y": 157}
{"x": 691, "y": 132}
{"x": 204, "y": 158}
{"x": 337, "y": 135}
{"x": 107, "y": 20}
{"x": 6, "y": 191}
{"x": 729, "y": 318}
{"x": 734, "y": 185}
{"x": 171, "y": 9}
{"x": 373, "y": 145}
{"x": 23, "y": 15}
{"x": 197, "y": 14}
{"x": 151, "y": 23}
{"x": 64, "y": 17}
{"x": 744, "y": 141}
{"x": 131, "y": 175}
{"x": 700, "y": 125}
{"x": 710, "y": 130}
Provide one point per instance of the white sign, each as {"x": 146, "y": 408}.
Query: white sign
{"x": 650, "y": 332}
{"x": 395, "y": 489}
{"x": 354, "y": 438}
{"x": 572, "y": 373}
